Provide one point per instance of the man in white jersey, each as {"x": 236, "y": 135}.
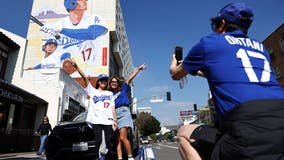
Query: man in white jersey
{"x": 101, "y": 112}
{"x": 80, "y": 34}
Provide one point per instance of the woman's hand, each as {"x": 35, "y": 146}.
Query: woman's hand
{"x": 142, "y": 67}
{"x": 114, "y": 126}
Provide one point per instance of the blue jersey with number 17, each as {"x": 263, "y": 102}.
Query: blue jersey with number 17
{"x": 237, "y": 69}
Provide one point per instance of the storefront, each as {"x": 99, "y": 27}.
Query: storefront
{"x": 74, "y": 108}
{"x": 20, "y": 112}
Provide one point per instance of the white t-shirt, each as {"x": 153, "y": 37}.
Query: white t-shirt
{"x": 100, "y": 109}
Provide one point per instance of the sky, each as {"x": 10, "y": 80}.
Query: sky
{"x": 155, "y": 27}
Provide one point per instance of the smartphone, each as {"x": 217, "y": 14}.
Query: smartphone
{"x": 178, "y": 54}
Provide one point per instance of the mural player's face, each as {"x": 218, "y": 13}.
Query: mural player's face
{"x": 50, "y": 48}
{"x": 82, "y": 5}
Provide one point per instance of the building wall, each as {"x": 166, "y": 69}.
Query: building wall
{"x": 19, "y": 106}
{"x": 14, "y": 68}
{"x": 47, "y": 85}
{"x": 115, "y": 41}
{"x": 275, "y": 46}
{"x": 54, "y": 86}
{"x": 124, "y": 49}
{"x": 53, "y": 11}
{"x": 89, "y": 52}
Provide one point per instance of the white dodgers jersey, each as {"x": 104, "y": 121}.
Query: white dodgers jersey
{"x": 101, "y": 104}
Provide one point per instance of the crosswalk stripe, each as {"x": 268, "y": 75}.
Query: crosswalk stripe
{"x": 168, "y": 146}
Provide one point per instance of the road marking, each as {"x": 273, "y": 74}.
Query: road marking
{"x": 158, "y": 147}
{"x": 168, "y": 146}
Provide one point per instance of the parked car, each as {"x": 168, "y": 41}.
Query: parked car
{"x": 145, "y": 140}
{"x": 75, "y": 140}
{"x": 71, "y": 140}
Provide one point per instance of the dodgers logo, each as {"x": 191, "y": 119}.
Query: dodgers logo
{"x": 68, "y": 42}
{"x": 101, "y": 98}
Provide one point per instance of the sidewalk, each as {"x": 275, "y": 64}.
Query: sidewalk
{"x": 24, "y": 155}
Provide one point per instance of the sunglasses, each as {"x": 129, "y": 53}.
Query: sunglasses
{"x": 114, "y": 82}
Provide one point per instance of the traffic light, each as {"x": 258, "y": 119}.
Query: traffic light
{"x": 169, "y": 96}
{"x": 195, "y": 107}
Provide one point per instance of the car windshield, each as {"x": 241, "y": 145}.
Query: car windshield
{"x": 81, "y": 117}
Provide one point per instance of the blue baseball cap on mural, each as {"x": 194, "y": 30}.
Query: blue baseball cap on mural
{"x": 236, "y": 13}
{"x": 49, "y": 41}
{"x": 70, "y": 4}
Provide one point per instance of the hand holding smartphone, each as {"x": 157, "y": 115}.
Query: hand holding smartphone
{"x": 178, "y": 54}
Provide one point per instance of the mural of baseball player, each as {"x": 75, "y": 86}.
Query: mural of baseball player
{"x": 79, "y": 35}
{"x": 51, "y": 57}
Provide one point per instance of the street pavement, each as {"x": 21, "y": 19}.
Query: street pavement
{"x": 162, "y": 151}
{"x": 21, "y": 156}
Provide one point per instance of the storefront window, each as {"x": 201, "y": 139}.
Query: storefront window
{"x": 4, "y": 111}
{"x": 281, "y": 43}
{"x": 3, "y": 62}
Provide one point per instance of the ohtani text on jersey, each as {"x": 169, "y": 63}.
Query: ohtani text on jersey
{"x": 244, "y": 42}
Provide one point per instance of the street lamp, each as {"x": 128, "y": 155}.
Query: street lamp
{"x": 155, "y": 98}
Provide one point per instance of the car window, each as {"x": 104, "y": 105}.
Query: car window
{"x": 81, "y": 117}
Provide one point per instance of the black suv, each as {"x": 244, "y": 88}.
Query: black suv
{"x": 71, "y": 140}
{"x": 75, "y": 140}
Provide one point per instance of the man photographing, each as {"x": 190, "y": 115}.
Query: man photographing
{"x": 248, "y": 99}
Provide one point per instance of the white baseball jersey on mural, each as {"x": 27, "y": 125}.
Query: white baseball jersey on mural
{"x": 100, "y": 109}
{"x": 51, "y": 61}
{"x": 82, "y": 40}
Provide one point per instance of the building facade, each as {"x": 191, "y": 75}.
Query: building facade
{"x": 274, "y": 44}
{"x": 28, "y": 95}
{"x": 18, "y": 107}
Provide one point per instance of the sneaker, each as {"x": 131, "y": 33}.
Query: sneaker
{"x": 38, "y": 153}
{"x": 131, "y": 158}
{"x": 102, "y": 157}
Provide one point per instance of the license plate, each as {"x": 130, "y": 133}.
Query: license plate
{"x": 82, "y": 146}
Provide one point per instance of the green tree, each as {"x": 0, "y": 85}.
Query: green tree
{"x": 141, "y": 119}
{"x": 148, "y": 124}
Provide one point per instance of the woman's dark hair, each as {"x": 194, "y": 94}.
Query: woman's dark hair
{"x": 230, "y": 27}
{"x": 97, "y": 83}
{"x": 45, "y": 117}
{"x": 115, "y": 90}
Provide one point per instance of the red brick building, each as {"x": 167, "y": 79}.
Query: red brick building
{"x": 275, "y": 46}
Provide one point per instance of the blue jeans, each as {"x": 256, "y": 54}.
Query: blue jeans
{"x": 42, "y": 144}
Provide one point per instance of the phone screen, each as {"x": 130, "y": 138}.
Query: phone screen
{"x": 178, "y": 53}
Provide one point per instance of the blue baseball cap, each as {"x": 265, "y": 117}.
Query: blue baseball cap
{"x": 49, "y": 41}
{"x": 102, "y": 76}
{"x": 236, "y": 13}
